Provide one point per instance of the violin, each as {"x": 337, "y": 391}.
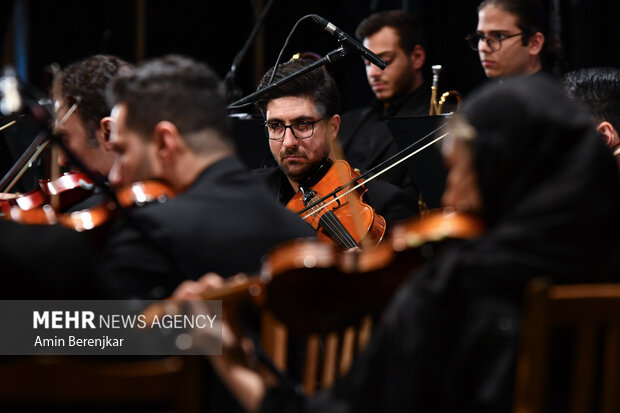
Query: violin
{"x": 337, "y": 214}
{"x": 313, "y": 287}
{"x": 363, "y": 282}
{"x": 136, "y": 194}
{"x": 69, "y": 188}
{"x": 292, "y": 258}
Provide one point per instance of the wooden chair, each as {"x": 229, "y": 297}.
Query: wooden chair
{"x": 327, "y": 356}
{"x": 593, "y": 310}
{"x": 167, "y": 384}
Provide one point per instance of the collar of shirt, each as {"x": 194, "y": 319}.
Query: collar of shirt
{"x": 399, "y": 103}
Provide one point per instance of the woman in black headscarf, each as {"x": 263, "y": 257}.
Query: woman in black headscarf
{"x": 529, "y": 161}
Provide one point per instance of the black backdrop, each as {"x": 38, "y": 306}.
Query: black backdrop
{"x": 214, "y": 31}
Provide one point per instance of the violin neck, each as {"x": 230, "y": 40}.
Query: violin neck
{"x": 334, "y": 229}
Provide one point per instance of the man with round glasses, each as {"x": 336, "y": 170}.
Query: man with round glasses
{"x": 511, "y": 39}
{"x": 302, "y": 122}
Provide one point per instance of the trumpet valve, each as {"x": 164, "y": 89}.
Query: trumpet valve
{"x": 436, "y": 70}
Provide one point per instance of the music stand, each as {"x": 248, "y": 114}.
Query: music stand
{"x": 426, "y": 168}
{"x": 250, "y": 141}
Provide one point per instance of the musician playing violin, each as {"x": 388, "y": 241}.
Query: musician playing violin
{"x": 302, "y": 122}
{"x": 170, "y": 124}
{"x": 65, "y": 258}
{"x": 86, "y": 132}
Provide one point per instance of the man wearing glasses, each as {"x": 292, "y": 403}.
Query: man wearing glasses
{"x": 302, "y": 122}
{"x": 511, "y": 39}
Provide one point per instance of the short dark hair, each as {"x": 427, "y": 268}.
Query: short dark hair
{"x": 174, "y": 88}
{"x": 409, "y": 31}
{"x": 317, "y": 85}
{"x": 86, "y": 81}
{"x": 532, "y": 18}
{"x": 599, "y": 90}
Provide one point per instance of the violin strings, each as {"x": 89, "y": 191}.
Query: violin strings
{"x": 336, "y": 229}
{"x": 375, "y": 176}
{"x": 344, "y": 233}
{"x": 330, "y": 222}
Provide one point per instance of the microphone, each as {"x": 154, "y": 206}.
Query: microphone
{"x": 349, "y": 41}
{"x": 11, "y": 100}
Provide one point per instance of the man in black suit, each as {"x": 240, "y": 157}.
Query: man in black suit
{"x": 302, "y": 125}
{"x": 64, "y": 264}
{"x": 399, "y": 90}
{"x": 170, "y": 124}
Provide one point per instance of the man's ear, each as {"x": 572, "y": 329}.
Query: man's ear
{"x": 104, "y": 131}
{"x": 167, "y": 139}
{"x": 535, "y": 44}
{"x": 417, "y": 57}
{"x": 334, "y": 126}
{"x": 608, "y": 131}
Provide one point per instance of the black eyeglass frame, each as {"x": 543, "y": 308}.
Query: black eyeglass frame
{"x": 291, "y": 126}
{"x": 473, "y": 40}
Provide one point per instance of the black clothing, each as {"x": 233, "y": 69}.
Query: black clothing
{"x": 51, "y": 261}
{"x": 449, "y": 340}
{"x": 367, "y": 141}
{"x": 46, "y": 262}
{"x": 224, "y": 223}
{"x": 389, "y": 201}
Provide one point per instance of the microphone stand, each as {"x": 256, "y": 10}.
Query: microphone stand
{"x": 22, "y": 164}
{"x": 331, "y": 57}
{"x": 232, "y": 92}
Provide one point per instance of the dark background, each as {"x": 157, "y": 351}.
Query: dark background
{"x": 36, "y": 34}
{"x": 213, "y": 31}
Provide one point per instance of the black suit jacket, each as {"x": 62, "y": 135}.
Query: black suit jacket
{"x": 224, "y": 223}
{"x": 367, "y": 141}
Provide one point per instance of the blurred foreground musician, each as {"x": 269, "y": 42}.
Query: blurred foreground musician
{"x": 526, "y": 159}
{"x": 86, "y": 132}
{"x": 302, "y": 125}
{"x": 171, "y": 125}
{"x": 598, "y": 88}
{"x": 65, "y": 258}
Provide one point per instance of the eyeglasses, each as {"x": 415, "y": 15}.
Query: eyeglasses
{"x": 492, "y": 39}
{"x": 302, "y": 129}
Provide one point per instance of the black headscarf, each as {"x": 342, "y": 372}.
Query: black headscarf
{"x": 548, "y": 183}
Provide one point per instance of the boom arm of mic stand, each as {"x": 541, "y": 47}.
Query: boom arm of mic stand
{"x": 229, "y": 79}
{"x": 331, "y": 57}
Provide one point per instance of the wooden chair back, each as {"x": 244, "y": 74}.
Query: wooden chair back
{"x": 593, "y": 313}
{"x": 327, "y": 356}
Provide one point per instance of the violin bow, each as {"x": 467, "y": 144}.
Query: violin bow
{"x": 372, "y": 170}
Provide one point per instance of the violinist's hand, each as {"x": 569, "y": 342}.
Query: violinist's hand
{"x": 354, "y": 250}
{"x": 194, "y": 290}
{"x": 236, "y": 365}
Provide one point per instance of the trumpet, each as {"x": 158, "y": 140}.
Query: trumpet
{"x": 437, "y": 107}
